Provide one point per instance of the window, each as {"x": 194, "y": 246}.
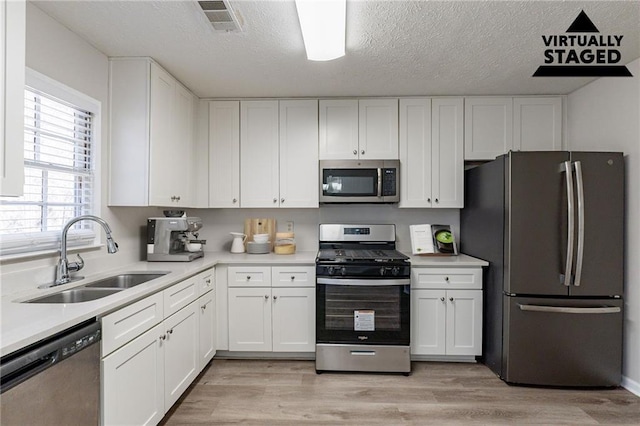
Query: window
{"x": 59, "y": 160}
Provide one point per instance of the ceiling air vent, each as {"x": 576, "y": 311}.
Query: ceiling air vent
{"x": 221, "y": 15}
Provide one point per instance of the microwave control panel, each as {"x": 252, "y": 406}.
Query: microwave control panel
{"x": 389, "y": 182}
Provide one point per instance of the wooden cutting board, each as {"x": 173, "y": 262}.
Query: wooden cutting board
{"x": 260, "y": 226}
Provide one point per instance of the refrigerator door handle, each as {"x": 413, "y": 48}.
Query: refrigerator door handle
{"x": 580, "y": 249}
{"x": 568, "y": 169}
{"x": 570, "y": 309}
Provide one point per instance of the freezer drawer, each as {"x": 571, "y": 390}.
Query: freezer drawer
{"x": 562, "y": 342}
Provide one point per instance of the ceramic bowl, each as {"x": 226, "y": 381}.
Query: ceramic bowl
{"x": 260, "y": 238}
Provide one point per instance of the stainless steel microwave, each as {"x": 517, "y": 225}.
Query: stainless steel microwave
{"x": 359, "y": 181}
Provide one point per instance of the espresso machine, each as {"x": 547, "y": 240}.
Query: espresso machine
{"x": 173, "y": 239}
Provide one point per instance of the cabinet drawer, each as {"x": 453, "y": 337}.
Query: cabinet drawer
{"x": 293, "y": 276}
{"x": 131, "y": 321}
{"x": 180, "y": 295}
{"x": 205, "y": 281}
{"x": 249, "y": 276}
{"x": 462, "y": 278}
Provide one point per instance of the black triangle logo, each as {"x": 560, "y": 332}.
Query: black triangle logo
{"x": 582, "y": 24}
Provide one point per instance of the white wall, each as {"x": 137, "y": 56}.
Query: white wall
{"x": 62, "y": 55}
{"x": 605, "y": 115}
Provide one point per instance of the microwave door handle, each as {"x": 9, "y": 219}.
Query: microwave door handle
{"x": 379, "y": 182}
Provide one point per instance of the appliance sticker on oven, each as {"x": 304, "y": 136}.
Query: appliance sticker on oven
{"x": 364, "y": 320}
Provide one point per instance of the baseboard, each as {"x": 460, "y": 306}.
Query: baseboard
{"x": 291, "y": 356}
{"x": 444, "y": 358}
{"x": 631, "y": 385}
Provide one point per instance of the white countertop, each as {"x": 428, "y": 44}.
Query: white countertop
{"x": 26, "y": 323}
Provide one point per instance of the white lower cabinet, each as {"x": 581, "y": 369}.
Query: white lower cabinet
{"x": 133, "y": 382}
{"x": 264, "y": 318}
{"x": 445, "y": 319}
{"x": 144, "y": 376}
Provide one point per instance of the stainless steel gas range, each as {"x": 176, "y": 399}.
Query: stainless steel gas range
{"x": 362, "y": 300}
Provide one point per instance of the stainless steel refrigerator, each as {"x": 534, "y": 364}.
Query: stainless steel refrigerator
{"x": 551, "y": 224}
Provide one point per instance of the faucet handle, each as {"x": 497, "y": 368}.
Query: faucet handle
{"x": 76, "y": 266}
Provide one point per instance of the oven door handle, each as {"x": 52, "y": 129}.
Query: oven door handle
{"x": 363, "y": 281}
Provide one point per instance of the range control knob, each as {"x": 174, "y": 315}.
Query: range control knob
{"x": 343, "y": 271}
{"x": 395, "y": 271}
{"x": 331, "y": 270}
{"x": 382, "y": 270}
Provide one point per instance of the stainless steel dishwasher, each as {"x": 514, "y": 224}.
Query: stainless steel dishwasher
{"x": 55, "y": 381}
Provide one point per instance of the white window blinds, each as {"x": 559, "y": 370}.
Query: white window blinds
{"x": 59, "y": 177}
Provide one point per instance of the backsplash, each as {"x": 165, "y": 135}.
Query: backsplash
{"x": 219, "y": 222}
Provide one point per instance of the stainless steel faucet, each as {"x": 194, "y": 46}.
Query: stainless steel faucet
{"x": 64, "y": 267}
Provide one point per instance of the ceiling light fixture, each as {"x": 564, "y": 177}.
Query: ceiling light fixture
{"x": 323, "y": 24}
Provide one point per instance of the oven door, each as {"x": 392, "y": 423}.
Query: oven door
{"x": 363, "y": 311}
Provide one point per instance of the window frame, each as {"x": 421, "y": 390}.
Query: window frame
{"x": 38, "y": 244}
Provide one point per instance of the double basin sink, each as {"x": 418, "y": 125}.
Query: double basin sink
{"x": 98, "y": 289}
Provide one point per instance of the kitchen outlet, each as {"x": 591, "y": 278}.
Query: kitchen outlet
{"x": 290, "y": 226}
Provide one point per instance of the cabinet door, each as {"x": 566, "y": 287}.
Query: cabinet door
{"x": 181, "y": 353}
{"x": 250, "y": 319}
{"x": 207, "y": 329}
{"x": 428, "y": 322}
{"x": 294, "y": 316}
{"x": 299, "y": 153}
{"x": 338, "y": 129}
{"x": 537, "y": 124}
{"x": 378, "y": 129}
{"x": 183, "y": 140}
{"x": 12, "y": 62}
{"x": 133, "y": 382}
{"x": 488, "y": 129}
{"x": 415, "y": 153}
{"x": 224, "y": 154}
{"x": 464, "y": 322}
{"x": 259, "y": 170}
{"x": 447, "y": 147}
{"x": 163, "y": 149}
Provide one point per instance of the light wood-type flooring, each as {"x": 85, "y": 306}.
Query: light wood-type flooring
{"x": 274, "y": 392}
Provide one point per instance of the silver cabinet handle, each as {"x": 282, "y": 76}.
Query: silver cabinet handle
{"x": 248, "y": 277}
{"x": 446, "y": 279}
{"x": 235, "y": 200}
{"x": 293, "y": 277}
{"x": 362, "y": 152}
{"x": 442, "y": 299}
{"x": 275, "y": 200}
{"x": 355, "y": 152}
{"x": 580, "y": 250}
{"x": 208, "y": 281}
{"x": 451, "y": 299}
{"x": 163, "y": 337}
{"x": 282, "y": 200}
{"x": 570, "y": 309}
{"x": 204, "y": 307}
{"x": 428, "y": 200}
{"x": 437, "y": 201}
{"x": 170, "y": 331}
{"x": 275, "y": 297}
{"x": 266, "y": 297}
{"x": 178, "y": 198}
{"x": 570, "y": 225}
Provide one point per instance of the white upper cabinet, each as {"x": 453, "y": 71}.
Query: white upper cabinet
{"x": 488, "y": 130}
{"x": 152, "y": 136}
{"x": 338, "y": 129}
{"x": 224, "y": 154}
{"x": 12, "y": 55}
{"x": 537, "y": 124}
{"x": 299, "y": 153}
{"x": 378, "y": 124}
{"x": 279, "y": 153}
{"x": 359, "y": 129}
{"x": 494, "y": 126}
{"x": 431, "y": 152}
{"x": 259, "y": 179}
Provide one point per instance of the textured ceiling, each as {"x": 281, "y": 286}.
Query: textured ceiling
{"x": 394, "y": 48}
